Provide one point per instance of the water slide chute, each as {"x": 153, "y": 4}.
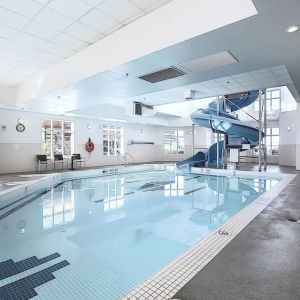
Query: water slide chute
{"x": 221, "y": 120}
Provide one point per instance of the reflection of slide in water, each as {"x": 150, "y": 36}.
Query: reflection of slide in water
{"x": 230, "y": 194}
{"x": 238, "y": 132}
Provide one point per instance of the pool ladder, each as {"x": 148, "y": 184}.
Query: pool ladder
{"x": 125, "y": 157}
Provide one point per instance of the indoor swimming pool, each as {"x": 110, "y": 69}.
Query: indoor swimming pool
{"x": 97, "y": 238}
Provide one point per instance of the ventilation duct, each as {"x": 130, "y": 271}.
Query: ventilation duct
{"x": 139, "y": 109}
{"x": 162, "y": 75}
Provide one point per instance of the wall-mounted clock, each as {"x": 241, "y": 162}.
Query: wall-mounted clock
{"x": 20, "y": 127}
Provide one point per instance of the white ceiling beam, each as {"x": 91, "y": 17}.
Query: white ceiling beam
{"x": 177, "y": 21}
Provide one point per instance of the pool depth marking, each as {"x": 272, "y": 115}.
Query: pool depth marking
{"x": 9, "y": 267}
{"x": 24, "y": 288}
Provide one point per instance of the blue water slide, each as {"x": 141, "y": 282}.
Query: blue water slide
{"x": 200, "y": 158}
{"x": 223, "y": 121}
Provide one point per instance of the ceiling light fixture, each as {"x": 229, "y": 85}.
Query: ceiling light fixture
{"x": 292, "y": 28}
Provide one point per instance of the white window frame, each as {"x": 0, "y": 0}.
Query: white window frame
{"x": 63, "y": 131}
{"x": 112, "y": 136}
{"x": 271, "y": 147}
{"x": 170, "y": 142}
{"x": 270, "y": 99}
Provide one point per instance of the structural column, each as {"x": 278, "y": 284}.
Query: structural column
{"x": 193, "y": 137}
{"x": 260, "y": 130}
{"x": 265, "y": 129}
{"x": 218, "y": 135}
{"x": 262, "y": 122}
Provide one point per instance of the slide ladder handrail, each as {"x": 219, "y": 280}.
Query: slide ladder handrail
{"x": 240, "y": 108}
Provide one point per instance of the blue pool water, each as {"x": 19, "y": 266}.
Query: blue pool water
{"x": 102, "y": 236}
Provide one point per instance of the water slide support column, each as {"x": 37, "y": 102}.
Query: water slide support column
{"x": 193, "y": 137}
{"x": 225, "y": 151}
{"x": 225, "y": 138}
{"x": 260, "y": 128}
{"x": 265, "y": 129}
{"x": 218, "y": 135}
{"x": 262, "y": 121}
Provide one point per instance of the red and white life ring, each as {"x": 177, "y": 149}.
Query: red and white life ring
{"x": 89, "y": 146}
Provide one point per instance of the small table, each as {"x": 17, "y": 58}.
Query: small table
{"x": 72, "y": 162}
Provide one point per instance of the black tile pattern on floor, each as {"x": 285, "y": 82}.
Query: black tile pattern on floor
{"x": 129, "y": 193}
{"x": 155, "y": 188}
{"x": 195, "y": 190}
{"x": 98, "y": 201}
{"x": 23, "y": 289}
{"x": 150, "y": 185}
{"x": 193, "y": 177}
{"x": 9, "y": 267}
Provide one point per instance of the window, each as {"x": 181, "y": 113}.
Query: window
{"x": 273, "y": 101}
{"x": 272, "y": 140}
{"x": 216, "y": 137}
{"x": 208, "y": 139}
{"x": 57, "y": 137}
{"x": 174, "y": 142}
{"x": 113, "y": 140}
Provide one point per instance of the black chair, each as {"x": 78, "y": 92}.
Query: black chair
{"x": 78, "y": 159}
{"x": 58, "y": 159}
{"x": 42, "y": 160}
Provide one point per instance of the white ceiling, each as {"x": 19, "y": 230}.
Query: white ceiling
{"x": 113, "y": 89}
{"x": 258, "y": 79}
{"x": 35, "y": 34}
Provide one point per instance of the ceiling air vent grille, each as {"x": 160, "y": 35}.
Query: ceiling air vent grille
{"x": 161, "y": 75}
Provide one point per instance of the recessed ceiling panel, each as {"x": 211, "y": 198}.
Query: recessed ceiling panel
{"x": 209, "y": 62}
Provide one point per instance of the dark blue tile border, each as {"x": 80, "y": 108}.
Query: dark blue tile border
{"x": 23, "y": 289}
{"x": 9, "y": 267}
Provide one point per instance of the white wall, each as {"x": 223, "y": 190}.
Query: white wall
{"x": 288, "y": 139}
{"x": 296, "y": 124}
{"x": 18, "y": 150}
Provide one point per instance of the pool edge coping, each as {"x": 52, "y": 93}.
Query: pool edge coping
{"x": 165, "y": 283}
